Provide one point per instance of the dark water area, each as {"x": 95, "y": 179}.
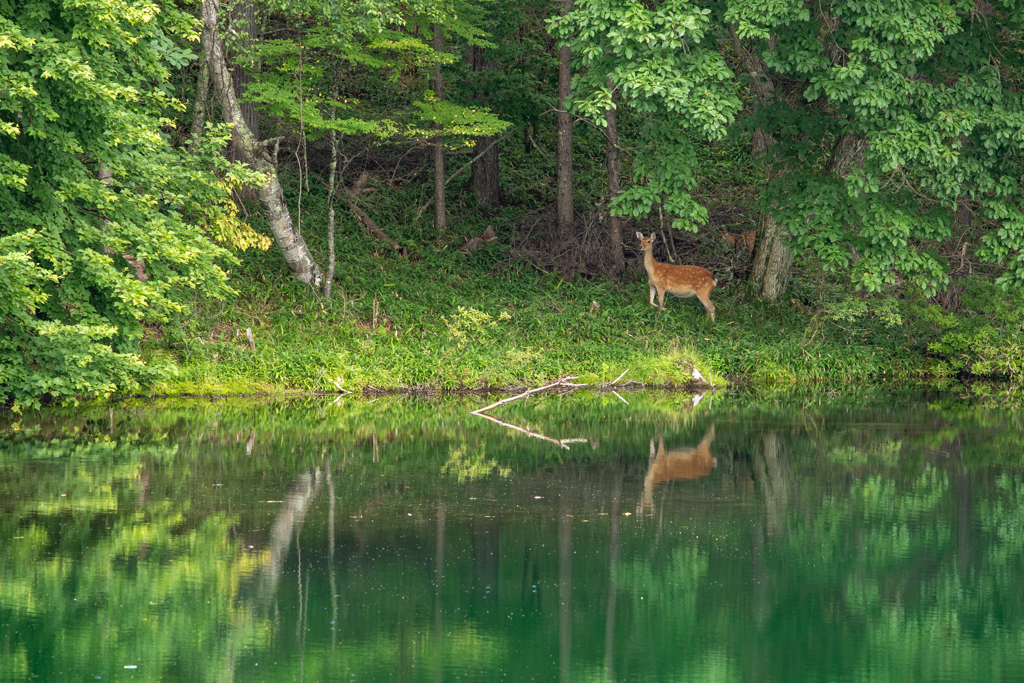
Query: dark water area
{"x": 860, "y": 538}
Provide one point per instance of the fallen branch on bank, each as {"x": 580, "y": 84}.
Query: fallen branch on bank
{"x": 564, "y": 382}
{"x": 350, "y": 196}
{"x": 368, "y": 222}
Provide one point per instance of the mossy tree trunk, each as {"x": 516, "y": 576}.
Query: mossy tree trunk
{"x": 332, "y": 184}
{"x": 773, "y": 259}
{"x": 201, "y": 97}
{"x": 773, "y": 256}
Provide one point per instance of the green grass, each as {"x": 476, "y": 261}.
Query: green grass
{"x": 448, "y": 321}
{"x": 445, "y": 320}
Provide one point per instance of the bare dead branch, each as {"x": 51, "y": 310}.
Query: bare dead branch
{"x": 364, "y": 218}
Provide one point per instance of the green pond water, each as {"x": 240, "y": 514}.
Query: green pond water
{"x": 577, "y": 538}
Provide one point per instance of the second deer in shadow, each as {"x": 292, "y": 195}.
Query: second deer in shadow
{"x": 744, "y": 240}
{"x": 683, "y": 281}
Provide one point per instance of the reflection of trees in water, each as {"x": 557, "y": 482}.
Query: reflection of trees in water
{"x": 565, "y": 590}
{"x": 776, "y": 486}
{"x": 773, "y": 475}
{"x": 291, "y": 514}
{"x": 964, "y": 509}
{"x": 439, "y": 547}
{"x": 614, "y": 550}
{"x": 886, "y": 572}
{"x": 886, "y": 563}
{"x": 330, "y": 552}
{"x": 255, "y": 601}
{"x": 886, "y": 575}
{"x": 807, "y": 587}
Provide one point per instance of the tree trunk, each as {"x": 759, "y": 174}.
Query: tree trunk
{"x": 847, "y": 152}
{"x": 351, "y": 196}
{"x": 244, "y": 61}
{"x": 563, "y": 156}
{"x": 614, "y": 185}
{"x": 773, "y": 259}
{"x": 440, "y": 217}
{"x": 199, "y": 109}
{"x": 105, "y": 176}
{"x": 760, "y": 143}
{"x": 964, "y": 213}
{"x": 760, "y": 83}
{"x": 332, "y": 185}
{"x": 964, "y": 208}
{"x": 484, "y": 179}
{"x": 293, "y": 248}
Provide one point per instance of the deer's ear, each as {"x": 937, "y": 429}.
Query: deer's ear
{"x": 639, "y": 235}
{"x": 654, "y": 236}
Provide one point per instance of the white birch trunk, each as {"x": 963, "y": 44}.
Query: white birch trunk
{"x": 293, "y": 248}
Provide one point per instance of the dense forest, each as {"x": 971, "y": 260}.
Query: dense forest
{"x": 325, "y": 195}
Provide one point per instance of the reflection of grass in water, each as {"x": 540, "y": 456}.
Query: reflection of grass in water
{"x": 463, "y": 648}
{"x": 884, "y": 452}
{"x": 847, "y": 455}
{"x": 472, "y": 467}
{"x": 304, "y": 431}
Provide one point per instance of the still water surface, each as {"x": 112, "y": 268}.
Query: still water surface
{"x": 831, "y": 540}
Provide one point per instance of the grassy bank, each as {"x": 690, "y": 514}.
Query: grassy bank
{"x": 445, "y": 320}
{"x": 502, "y": 316}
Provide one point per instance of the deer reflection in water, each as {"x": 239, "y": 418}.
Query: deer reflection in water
{"x": 678, "y": 463}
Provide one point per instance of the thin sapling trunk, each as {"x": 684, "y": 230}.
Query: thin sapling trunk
{"x": 439, "y": 208}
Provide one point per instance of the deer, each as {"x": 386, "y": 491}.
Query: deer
{"x": 683, "y": 281}
{"x": 676, "y": 464}
{"x": 744, "y": 239}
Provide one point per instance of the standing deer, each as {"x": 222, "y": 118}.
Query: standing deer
{"x": 683, "y": 281}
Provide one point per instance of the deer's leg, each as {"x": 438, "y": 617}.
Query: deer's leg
{"x": 661, "y": 299}
{"x": 710, "y": 307}
{"x": 652, "y": 294}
